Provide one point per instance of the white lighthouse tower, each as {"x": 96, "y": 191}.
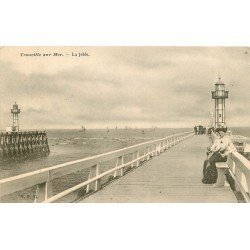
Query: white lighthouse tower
{"x": 220, "y": 94}
{"x": 15, "y": 111}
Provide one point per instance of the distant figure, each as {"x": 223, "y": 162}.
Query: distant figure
{"x": 195, "y": 130}
{"x": 204, "y": 130}
{"x": 199, "y": 129}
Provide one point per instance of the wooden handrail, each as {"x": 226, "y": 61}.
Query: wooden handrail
{"x": 240, "y": 171}
{"x": 44, "y": 176}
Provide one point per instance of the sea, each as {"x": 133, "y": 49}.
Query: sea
{"x": 68, "y": 145}
{"x": 244, "y": 131}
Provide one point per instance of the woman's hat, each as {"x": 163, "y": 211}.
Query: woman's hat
{"x": 224, "y": 129}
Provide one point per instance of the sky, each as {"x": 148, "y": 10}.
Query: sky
{"x": 122, "y": 86}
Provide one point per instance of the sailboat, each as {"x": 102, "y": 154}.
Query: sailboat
{"x": 83, "y": 129}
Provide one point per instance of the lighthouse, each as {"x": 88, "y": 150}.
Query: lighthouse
{"x": 219, "y": 95}
{"x": 15, "y": 111}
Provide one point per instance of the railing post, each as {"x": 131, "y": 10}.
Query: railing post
{"x": 43, "y": 190}
{"x": 236, "y": 172}
{"x": 158, "y": 149}
{"x": 137, "y": 157}
{"x": 144, "y": 154}
{"x": 97, "y": 182}
{"x": 238, "y": 177}
{"x": 122, "y": 162}
{"x": 133, "y": 157}
{"x": 94, "y": 171}
{"x": 154, "y": 149}
{"x": 151, "y": 149}
{"x": 116, "y": 165}
{"x": 119, "y": 160}
{"x": 166, "y": 145}
{"x": 163, "y": 146}
{"x": 148, "y": 154}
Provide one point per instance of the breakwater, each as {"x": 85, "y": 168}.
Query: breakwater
{"x": 23, "y": 145}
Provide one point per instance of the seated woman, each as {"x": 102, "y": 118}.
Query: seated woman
{"x": 223, "y": 147}
{"x": 210, "y": 151}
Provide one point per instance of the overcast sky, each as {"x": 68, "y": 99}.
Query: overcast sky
{"x": 122, "y": 86}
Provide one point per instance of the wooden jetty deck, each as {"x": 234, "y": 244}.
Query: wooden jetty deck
{"x": 174, "y": 176}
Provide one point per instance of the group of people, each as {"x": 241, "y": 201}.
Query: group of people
{"x": 200, "y": 130}
{"x": 17, "y": 145}
{"x": 218, "y": 152}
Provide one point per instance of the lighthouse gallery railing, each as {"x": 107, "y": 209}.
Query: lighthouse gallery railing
{"x": 43, "y": 178}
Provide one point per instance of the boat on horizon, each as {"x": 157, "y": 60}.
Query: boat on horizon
{"x": 83, "y": 129}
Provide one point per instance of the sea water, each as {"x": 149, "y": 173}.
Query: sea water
{"x": 69, "y": 145}
{"x": 244, "y": 131}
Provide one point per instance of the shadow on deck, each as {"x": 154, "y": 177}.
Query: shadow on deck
{"x": 174, "y": 176}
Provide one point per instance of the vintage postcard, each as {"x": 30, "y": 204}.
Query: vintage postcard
{"x": 124, "y": 124}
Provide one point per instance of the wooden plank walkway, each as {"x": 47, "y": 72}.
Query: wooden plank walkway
{"x": 174, "y": 176}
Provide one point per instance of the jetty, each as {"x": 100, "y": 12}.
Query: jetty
{"x": 174, "y": 176}
{"x": 163, "y": 170}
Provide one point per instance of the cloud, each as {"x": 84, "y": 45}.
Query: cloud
{"x": 137, "y": 86}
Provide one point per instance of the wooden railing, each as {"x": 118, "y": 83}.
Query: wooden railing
{"x": 239, "y": 168}
{"x": 42, "y": 178}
